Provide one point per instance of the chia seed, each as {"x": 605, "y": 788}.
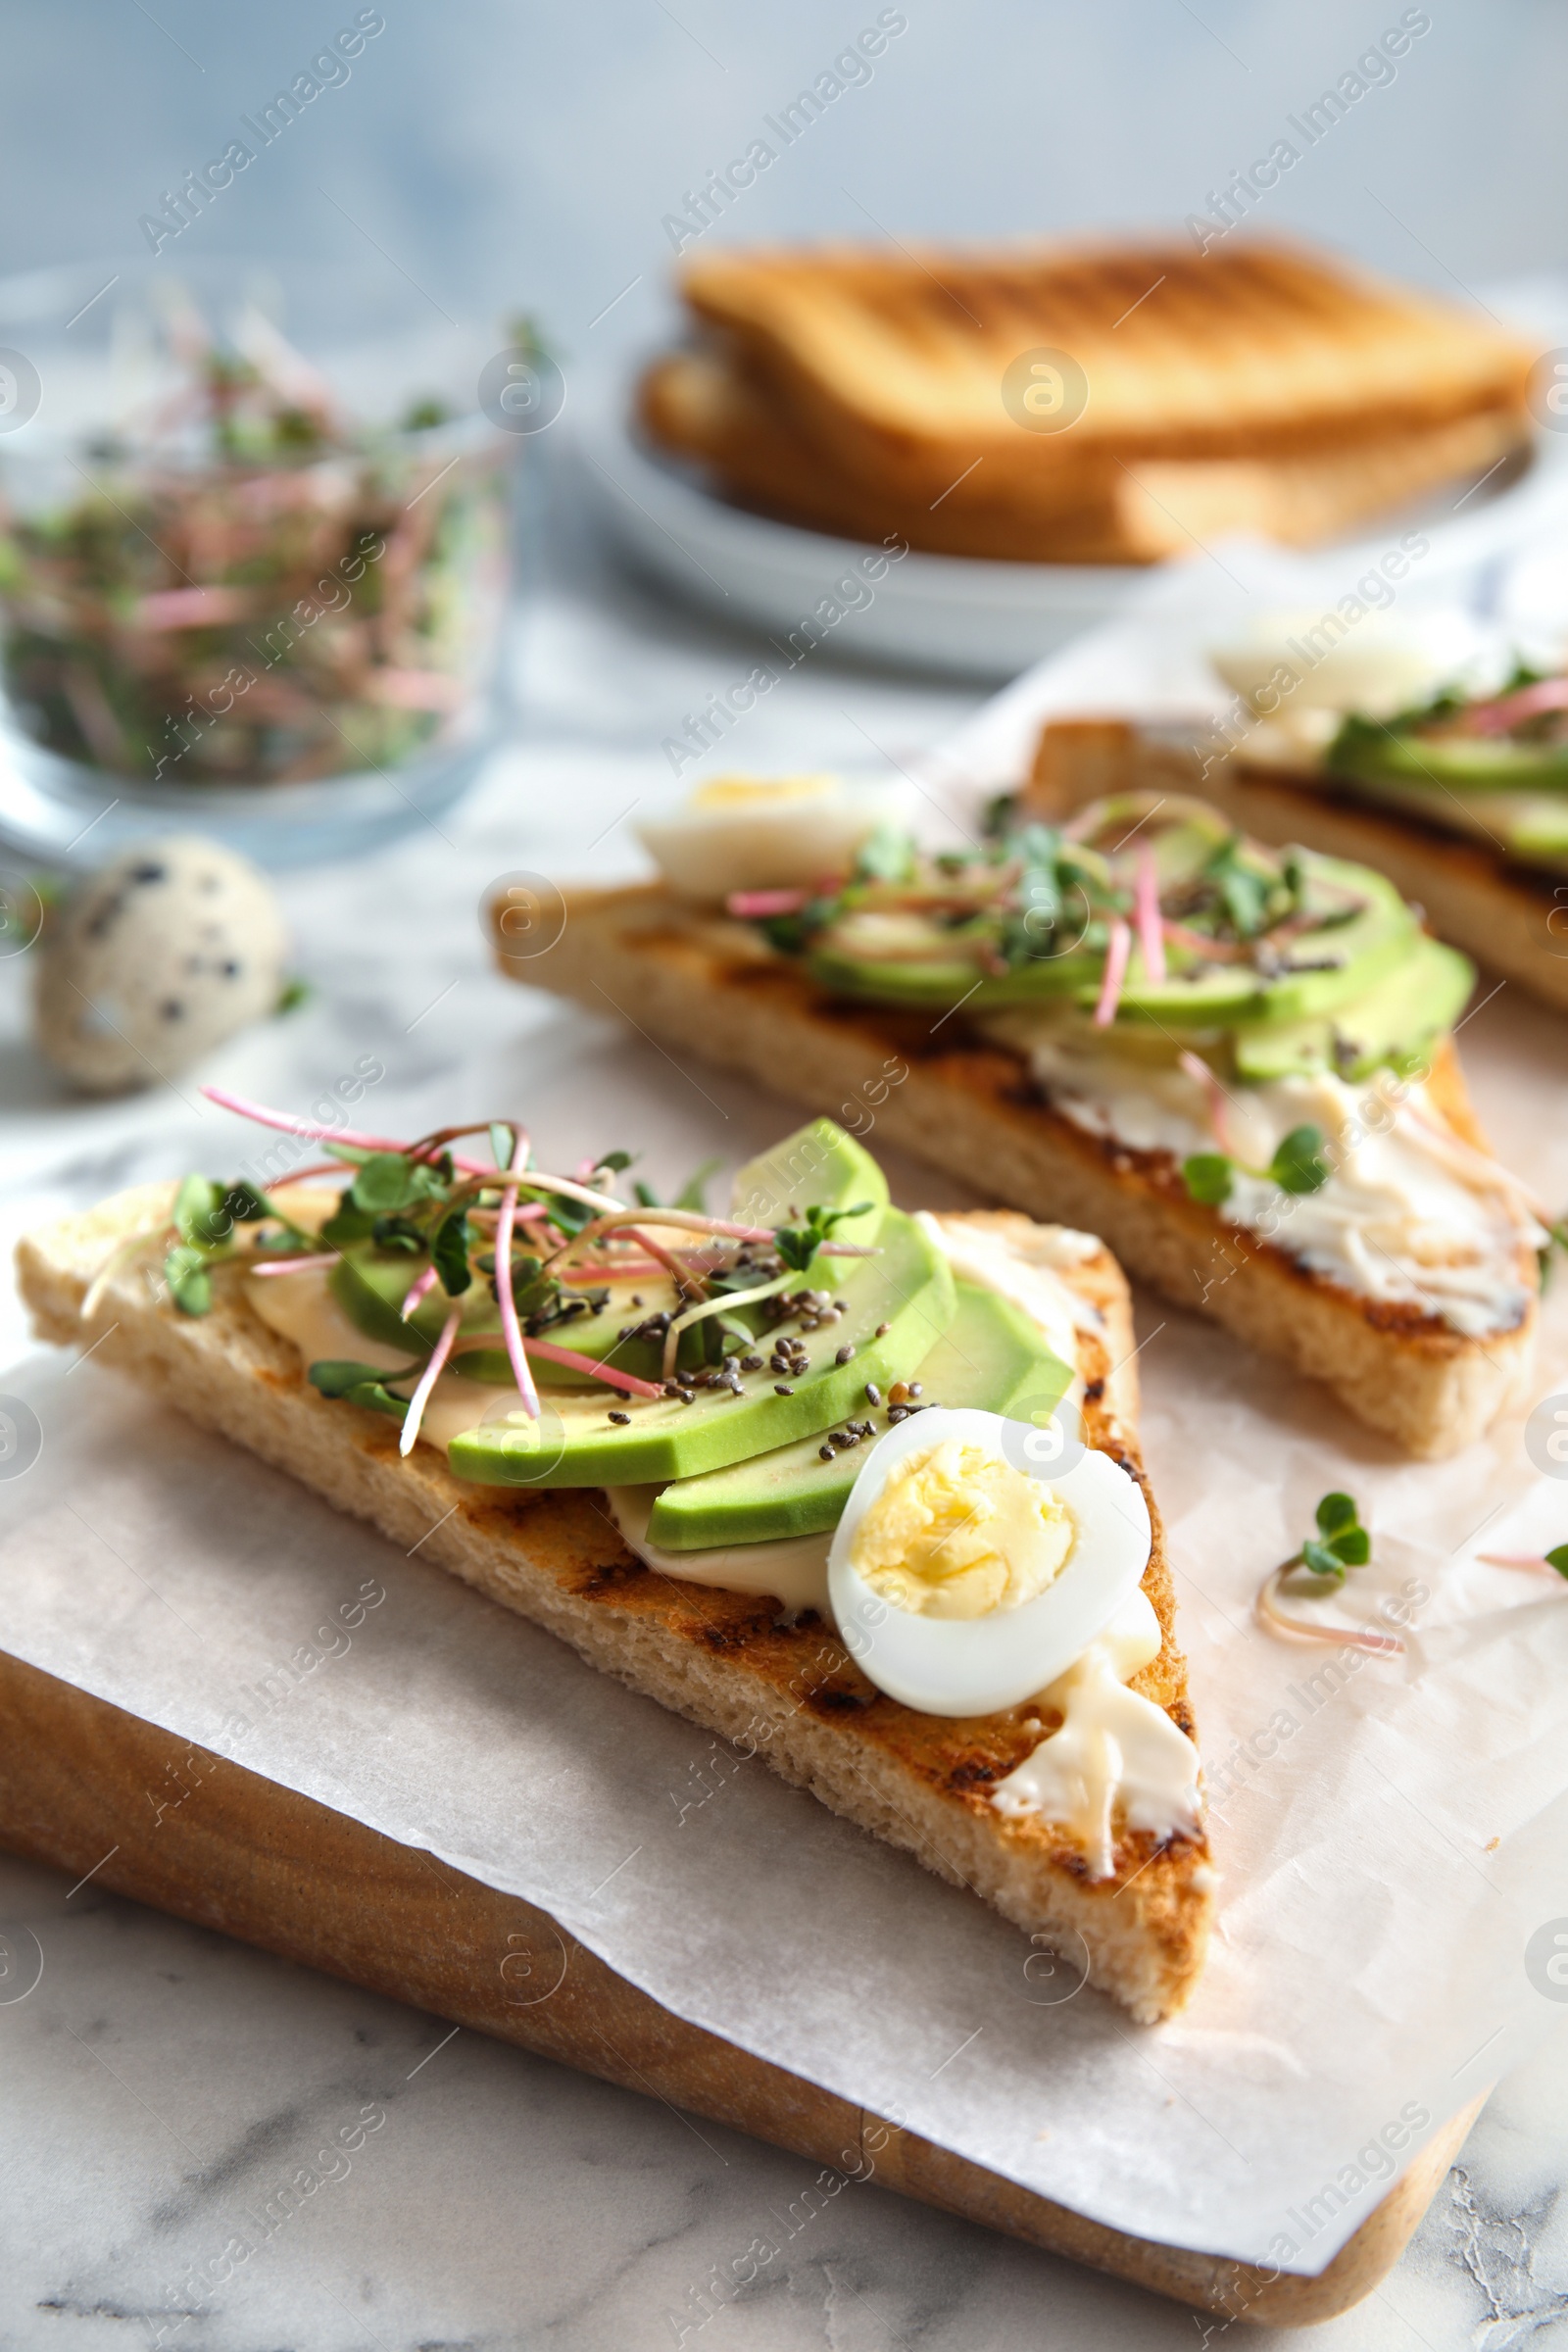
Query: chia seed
{"x": 621, "y": 1418}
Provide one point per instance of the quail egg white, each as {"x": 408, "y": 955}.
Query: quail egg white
{"x": 742, "y": 833}
{"x": 964, "y": 1575}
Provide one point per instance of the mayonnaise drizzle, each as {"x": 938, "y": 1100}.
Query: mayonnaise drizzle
{"x": 1115, "y": 1751}
{"x": 1404, "y": 1218}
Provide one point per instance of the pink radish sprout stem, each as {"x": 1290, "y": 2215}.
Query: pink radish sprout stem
{"x": 427, "y": 1379}
{"x": 351, "y": 1136}
{"x": 1518, "y": 1559}
{"x": 1529, "y": 702}
{"x": 1116, "y": 955}
{"x": 1278, "y": 1620}
{"x": 1150, "y": 930}
{"x": 511, "y": 1330}
{"x": 294, "y": 1265}
{"x": 1196, "y": 1068}
{"x": 625, "y": 1380}
{"x": 418, "y": 1290}
{"x": 752, "y": 905}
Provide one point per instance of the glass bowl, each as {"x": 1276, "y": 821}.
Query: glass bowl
{"x": 254, "y": 558}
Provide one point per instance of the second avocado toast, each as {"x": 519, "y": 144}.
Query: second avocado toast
{"x": 1236, "y": 1063}
{"x": 858, "y": 1490}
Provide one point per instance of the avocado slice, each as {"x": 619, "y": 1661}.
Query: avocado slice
{"x": 1465, "y": 763}
{"x": 1396, "y": 1022}
{"x": 819, "y": 1166}
{"x": 950, "y": 983}
{"x": 908, "y": 1287}
{"x": 990, "y": 1356}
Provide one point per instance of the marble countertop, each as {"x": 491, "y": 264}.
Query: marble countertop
{"x": 158, "y": 2081}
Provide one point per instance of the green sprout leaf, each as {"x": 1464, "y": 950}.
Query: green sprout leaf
{"x": 1208, "y": 1177}
{"x": 1322, "y": 1561}
{"x": 362, "y": 1384}
{"x": 1244, "y": 892}
{"x": 887, "y": 855}
{"x": 1300, "y": 1164}
{"x": 1557, "y": 1239}
{"x": 387, "y": 1181}
{"x": 693, "y": 1193}
{"x": 502, "y": 1143}
{"x": 1341, "y": 1543}
{"x": 1558, "y": 1559}
{"x": 449, "y": 1252}
{"x": 798, "y": 1244}
{"x": 615, "y": 1163}
{"x": 1335, "y": 1512}
{"x": 201, "y": 1217}
{"x": 190, "y": 1285}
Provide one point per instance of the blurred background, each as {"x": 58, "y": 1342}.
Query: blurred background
{"x": 502, "y": 154}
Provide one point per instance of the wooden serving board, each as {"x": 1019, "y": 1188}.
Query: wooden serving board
{"x": 241, "y": 1854}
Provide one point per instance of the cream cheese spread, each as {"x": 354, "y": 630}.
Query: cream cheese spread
{"x": 1410, "y": 1215}
{"x": 302, "y": 1308}
{"x": 793, "y": 1570}
{"x": 1115, "y": 1751}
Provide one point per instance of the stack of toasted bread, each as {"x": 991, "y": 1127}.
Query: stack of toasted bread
{"x": 1086, "y": 406}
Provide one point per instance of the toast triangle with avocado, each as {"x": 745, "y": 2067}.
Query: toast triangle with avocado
{"x": 1100, "y": 1878}
{"x": 1273, "y": 1129}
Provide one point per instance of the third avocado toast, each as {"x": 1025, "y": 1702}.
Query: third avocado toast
{"x": 1233, "y": 1061}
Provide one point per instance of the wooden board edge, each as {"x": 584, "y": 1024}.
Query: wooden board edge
{"x": 194, "y": 1833}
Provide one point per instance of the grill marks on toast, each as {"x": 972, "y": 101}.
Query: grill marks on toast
{"x": 860, "y": 392}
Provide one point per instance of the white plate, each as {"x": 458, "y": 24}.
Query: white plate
{"x": 979, "y": 620}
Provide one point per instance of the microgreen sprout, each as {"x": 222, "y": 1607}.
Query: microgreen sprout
{"x": 1300, "y": 1164}
{"x": 798, "y": 1244}
{"x": 1339, "y": 1543}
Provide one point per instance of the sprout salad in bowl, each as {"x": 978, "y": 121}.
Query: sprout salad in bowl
{"x": 234, "y": 595}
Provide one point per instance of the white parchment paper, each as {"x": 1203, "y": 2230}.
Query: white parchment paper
{"x": 1393, "y": 1839}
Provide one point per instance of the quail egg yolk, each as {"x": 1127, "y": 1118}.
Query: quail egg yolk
{"x": 748, "y": 792}
{"x": 957, "y": 1531}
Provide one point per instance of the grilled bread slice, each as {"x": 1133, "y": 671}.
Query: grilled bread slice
{"x": 1101, "y": 510}
{"x": 971, "y": 1107}
{"x": 1512, "y": 917}
{"x": 727, "y": 1661}
{"x": 893, "y": 365}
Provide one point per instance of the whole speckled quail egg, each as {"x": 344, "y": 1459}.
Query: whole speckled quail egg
{"x": 156, "y": 960}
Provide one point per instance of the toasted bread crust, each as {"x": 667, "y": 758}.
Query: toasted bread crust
{"x": 971, "y": 1108}
{"x": 1509, "y": 917}
{"x": 1103, "y": 509}
{"x": 790, "y": 1693}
